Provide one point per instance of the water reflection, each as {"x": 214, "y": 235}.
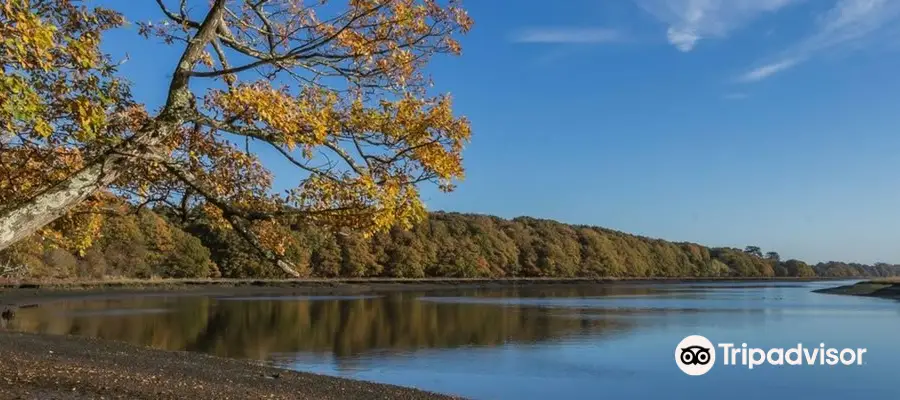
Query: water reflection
{"x": 515, "y": 343}
{"x": 338, "y": 326}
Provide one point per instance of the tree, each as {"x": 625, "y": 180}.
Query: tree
{"x": 404, "y": 255}
{"x": 356, "y": 256}
{"x": 780, "y": 270}
{"x": 754, "y": 251}
{"x": 339, "y": 93}
{"x": 798, "y": 269}
{"x": 326, "y": 258}
{"x": 125, "y": 248}
{"x": 596, "y": 254}
{"x": 187, "y": 259}
{"x": 773, "y": 256}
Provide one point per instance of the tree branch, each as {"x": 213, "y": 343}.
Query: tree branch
{"x": 235, "y": 217}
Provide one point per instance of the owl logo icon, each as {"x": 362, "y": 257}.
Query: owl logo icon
{"x": 695, "y": 355}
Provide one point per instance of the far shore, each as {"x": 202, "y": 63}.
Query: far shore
{"x": 29, "y": 293}
{"x": 888, "y": 288}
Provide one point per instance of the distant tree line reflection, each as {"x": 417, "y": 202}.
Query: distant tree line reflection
{"x": 257, "y": 329}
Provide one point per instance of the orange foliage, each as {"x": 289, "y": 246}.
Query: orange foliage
{"x": 338, "y": 90}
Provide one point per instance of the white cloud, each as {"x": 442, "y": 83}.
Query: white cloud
{"x": 569, "y": 35}
{"x": 849, "y": 21}
{"x": 845, "y": 25}
{"x": 693, "y": 20}
{"x": 684, "y": 41}
{"x": 768, "y": 70}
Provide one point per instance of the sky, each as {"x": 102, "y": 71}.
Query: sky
{"x": 722, "y": 122}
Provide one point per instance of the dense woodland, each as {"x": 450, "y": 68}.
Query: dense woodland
{"x": 163, "y": 243}
{"x": 354, "y": 112}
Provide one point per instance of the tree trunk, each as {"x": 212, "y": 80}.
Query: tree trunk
{"x": 245, "y": 232}
{"x": 23, "y": 220}
{"x": 18, "y": 223}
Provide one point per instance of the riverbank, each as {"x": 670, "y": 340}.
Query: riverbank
{"x": 69, "y": 367}
{"x": 19, "y": 294}
{"x": 40, "y": 366}
{"x": 886, "y": 288}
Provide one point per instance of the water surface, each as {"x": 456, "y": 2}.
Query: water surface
{"x": 612, "y": 341}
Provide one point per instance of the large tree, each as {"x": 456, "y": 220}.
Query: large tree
{"x": 339, "y": 91}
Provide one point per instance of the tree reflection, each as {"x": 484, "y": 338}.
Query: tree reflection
{"x": 345, "y": 328}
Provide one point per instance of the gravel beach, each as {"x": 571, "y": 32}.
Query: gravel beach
{"x": 67, "y": 367}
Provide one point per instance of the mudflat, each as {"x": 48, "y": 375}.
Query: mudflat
{"x": 67, "y": 367}
{"x": 887, "y": 288}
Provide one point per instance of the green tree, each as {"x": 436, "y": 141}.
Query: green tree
{"x": 325, "y": 259}
{"x": 404, "y": 255}
{"x": 798, "y": 268}
{"x": 188, "y": 258}
{"x": 754, "y": 251}
{"x": 357, "y": 259}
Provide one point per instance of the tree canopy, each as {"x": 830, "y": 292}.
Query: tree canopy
{"x": 159, "y": 243}
{"x": 339, "y": 90}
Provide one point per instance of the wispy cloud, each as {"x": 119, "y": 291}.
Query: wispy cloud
{"x": 568, "y": 35}
{"x": 845, "y": 25}
{"x": 690, "y": 21}
{"x": 765, "y": 71}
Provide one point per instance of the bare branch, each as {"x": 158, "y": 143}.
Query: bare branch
{"x": 182, "y": 19}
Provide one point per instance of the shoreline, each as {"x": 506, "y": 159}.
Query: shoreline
{"x": 883, "y": 289}
{"x": 39, "y": 366}
{"x": 27, "y": 294}
{"x": 228, "y": 282}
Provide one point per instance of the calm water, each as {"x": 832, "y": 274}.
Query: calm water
{"x": 569, "y": 342}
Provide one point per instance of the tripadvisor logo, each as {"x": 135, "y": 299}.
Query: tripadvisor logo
{"x": 695, "y": 355}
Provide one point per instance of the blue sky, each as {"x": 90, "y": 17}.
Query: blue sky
{"x": 722, "y": 122}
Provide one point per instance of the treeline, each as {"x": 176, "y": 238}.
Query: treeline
{"x": 155, "y": 243}
{"x": 142, "y": 244}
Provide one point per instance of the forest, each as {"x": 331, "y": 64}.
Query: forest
{"x": 96, "y": 184}
{"x": 163, "y": 243}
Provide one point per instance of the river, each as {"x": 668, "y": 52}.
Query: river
{"x": 566, "y": 342}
